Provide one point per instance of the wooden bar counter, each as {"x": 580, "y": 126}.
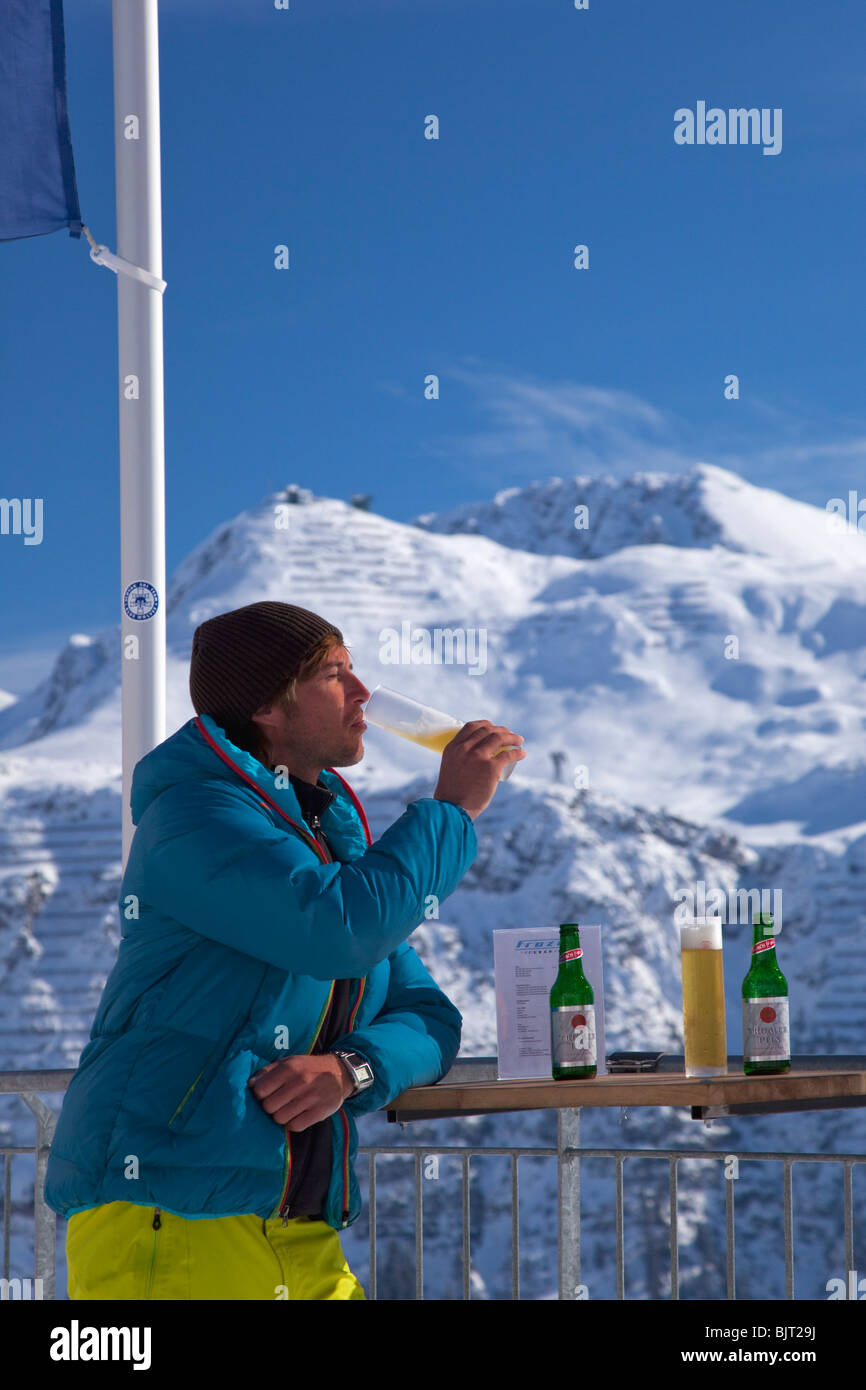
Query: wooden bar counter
{"x": 472, "y": 1088}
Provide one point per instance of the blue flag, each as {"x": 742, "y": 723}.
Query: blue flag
{"x": 38, "y": 193}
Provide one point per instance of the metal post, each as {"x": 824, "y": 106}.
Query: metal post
{"x": 674, "y": 1234}
{"x": 419, "y": 1230}
{"x": 568, "y": 1157}
{"x": 788, "y": 1218}
{"x": 849, "y": 1226}
{"x": 44, "y": 1219}
{"x": 467, "y": 1292}
{"x": 515, "y": 1229}
{"x": 372, "y": 1213}
{"x": 140, "y": 386}
{"x": 620, "y": 1250}
{"x": 7, "y": 1211}
{"x": 730, "y": 1253}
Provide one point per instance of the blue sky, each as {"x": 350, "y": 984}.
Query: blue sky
{"x": 410, "y": 256}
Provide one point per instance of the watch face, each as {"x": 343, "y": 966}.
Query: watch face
{"x": 361, "y": 1069}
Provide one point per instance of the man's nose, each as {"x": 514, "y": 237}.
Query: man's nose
{"x": 361, "y": 691}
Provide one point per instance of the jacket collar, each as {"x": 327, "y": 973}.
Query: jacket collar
{"x": 342, "y": 816}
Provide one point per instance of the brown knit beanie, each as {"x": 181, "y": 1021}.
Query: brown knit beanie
{"x": 242, "y": 658}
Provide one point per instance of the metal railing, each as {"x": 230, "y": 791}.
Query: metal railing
{"x": 567, "y": 1152}
{"x": 28, "y": 1085}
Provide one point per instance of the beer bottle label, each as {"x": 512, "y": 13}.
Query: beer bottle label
{"x": 766, "y": 1033}
{"x": 574, "y": 954}
{"x": 572, "y": 1035}
{"x": 767, "y": 945}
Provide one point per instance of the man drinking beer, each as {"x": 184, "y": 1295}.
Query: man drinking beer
{"x": 264, "y": 993}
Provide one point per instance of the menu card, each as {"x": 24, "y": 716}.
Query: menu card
{"x": 525, "y": 965}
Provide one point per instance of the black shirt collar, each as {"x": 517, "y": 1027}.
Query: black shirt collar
{"x": 313, "y": 798}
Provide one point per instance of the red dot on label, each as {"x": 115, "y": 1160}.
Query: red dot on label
{"x": 768, "y": 1014}
{"x": 578, "y": 1021}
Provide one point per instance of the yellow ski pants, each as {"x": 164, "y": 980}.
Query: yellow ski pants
{"x": 122, "y": 1251}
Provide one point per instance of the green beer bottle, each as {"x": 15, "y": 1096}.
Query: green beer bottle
{"x": 766, "y": 1030}
{"x": 572, "y": 1013}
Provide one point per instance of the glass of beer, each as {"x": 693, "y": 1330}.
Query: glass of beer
{"x": 705, "y": 1042}
{"x": 421, "y": 724}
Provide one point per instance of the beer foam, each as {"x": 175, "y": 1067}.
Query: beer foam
{"x": 702, "y": 934}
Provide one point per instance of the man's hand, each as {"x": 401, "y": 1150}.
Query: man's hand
{"x": 472, "y": 764}
{"x": 300, "y": 1091}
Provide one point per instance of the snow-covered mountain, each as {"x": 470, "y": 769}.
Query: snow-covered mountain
{"x": 589, "y": 517}
{"x": 737, "y": 636}
{"x": 686, "y": 669}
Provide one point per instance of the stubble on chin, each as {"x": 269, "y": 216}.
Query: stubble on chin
{"x": 351, "y": 754}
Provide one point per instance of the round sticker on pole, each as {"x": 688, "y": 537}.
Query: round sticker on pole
{"x": 140, "y": 600}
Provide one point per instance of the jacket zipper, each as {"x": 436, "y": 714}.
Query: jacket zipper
{"x": 283, "y": 1210}
{"x": 188, "y": 1094}
{"x": 156, "y": 1223}
{"x": 344, "y": 1220}
{"x": 284, "y": 1205}
{"x": 314, "y": 825}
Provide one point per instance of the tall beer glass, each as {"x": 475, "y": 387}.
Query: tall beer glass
{"x": 703, "y": 997}
{"x": 432, "y": 729}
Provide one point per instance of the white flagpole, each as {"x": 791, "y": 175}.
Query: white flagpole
{"x": 140, "y": 386}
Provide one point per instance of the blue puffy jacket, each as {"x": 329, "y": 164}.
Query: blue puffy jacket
{"x": 233, "y": 930}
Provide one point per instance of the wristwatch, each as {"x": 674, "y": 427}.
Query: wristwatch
{"x": 359, "y": 1069}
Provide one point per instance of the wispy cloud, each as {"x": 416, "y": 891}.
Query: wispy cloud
{"x": 537, "y": 428}
{"x": 529, "y": 428}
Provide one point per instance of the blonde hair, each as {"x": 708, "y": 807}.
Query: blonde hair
{"x": 286, "y": 697}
